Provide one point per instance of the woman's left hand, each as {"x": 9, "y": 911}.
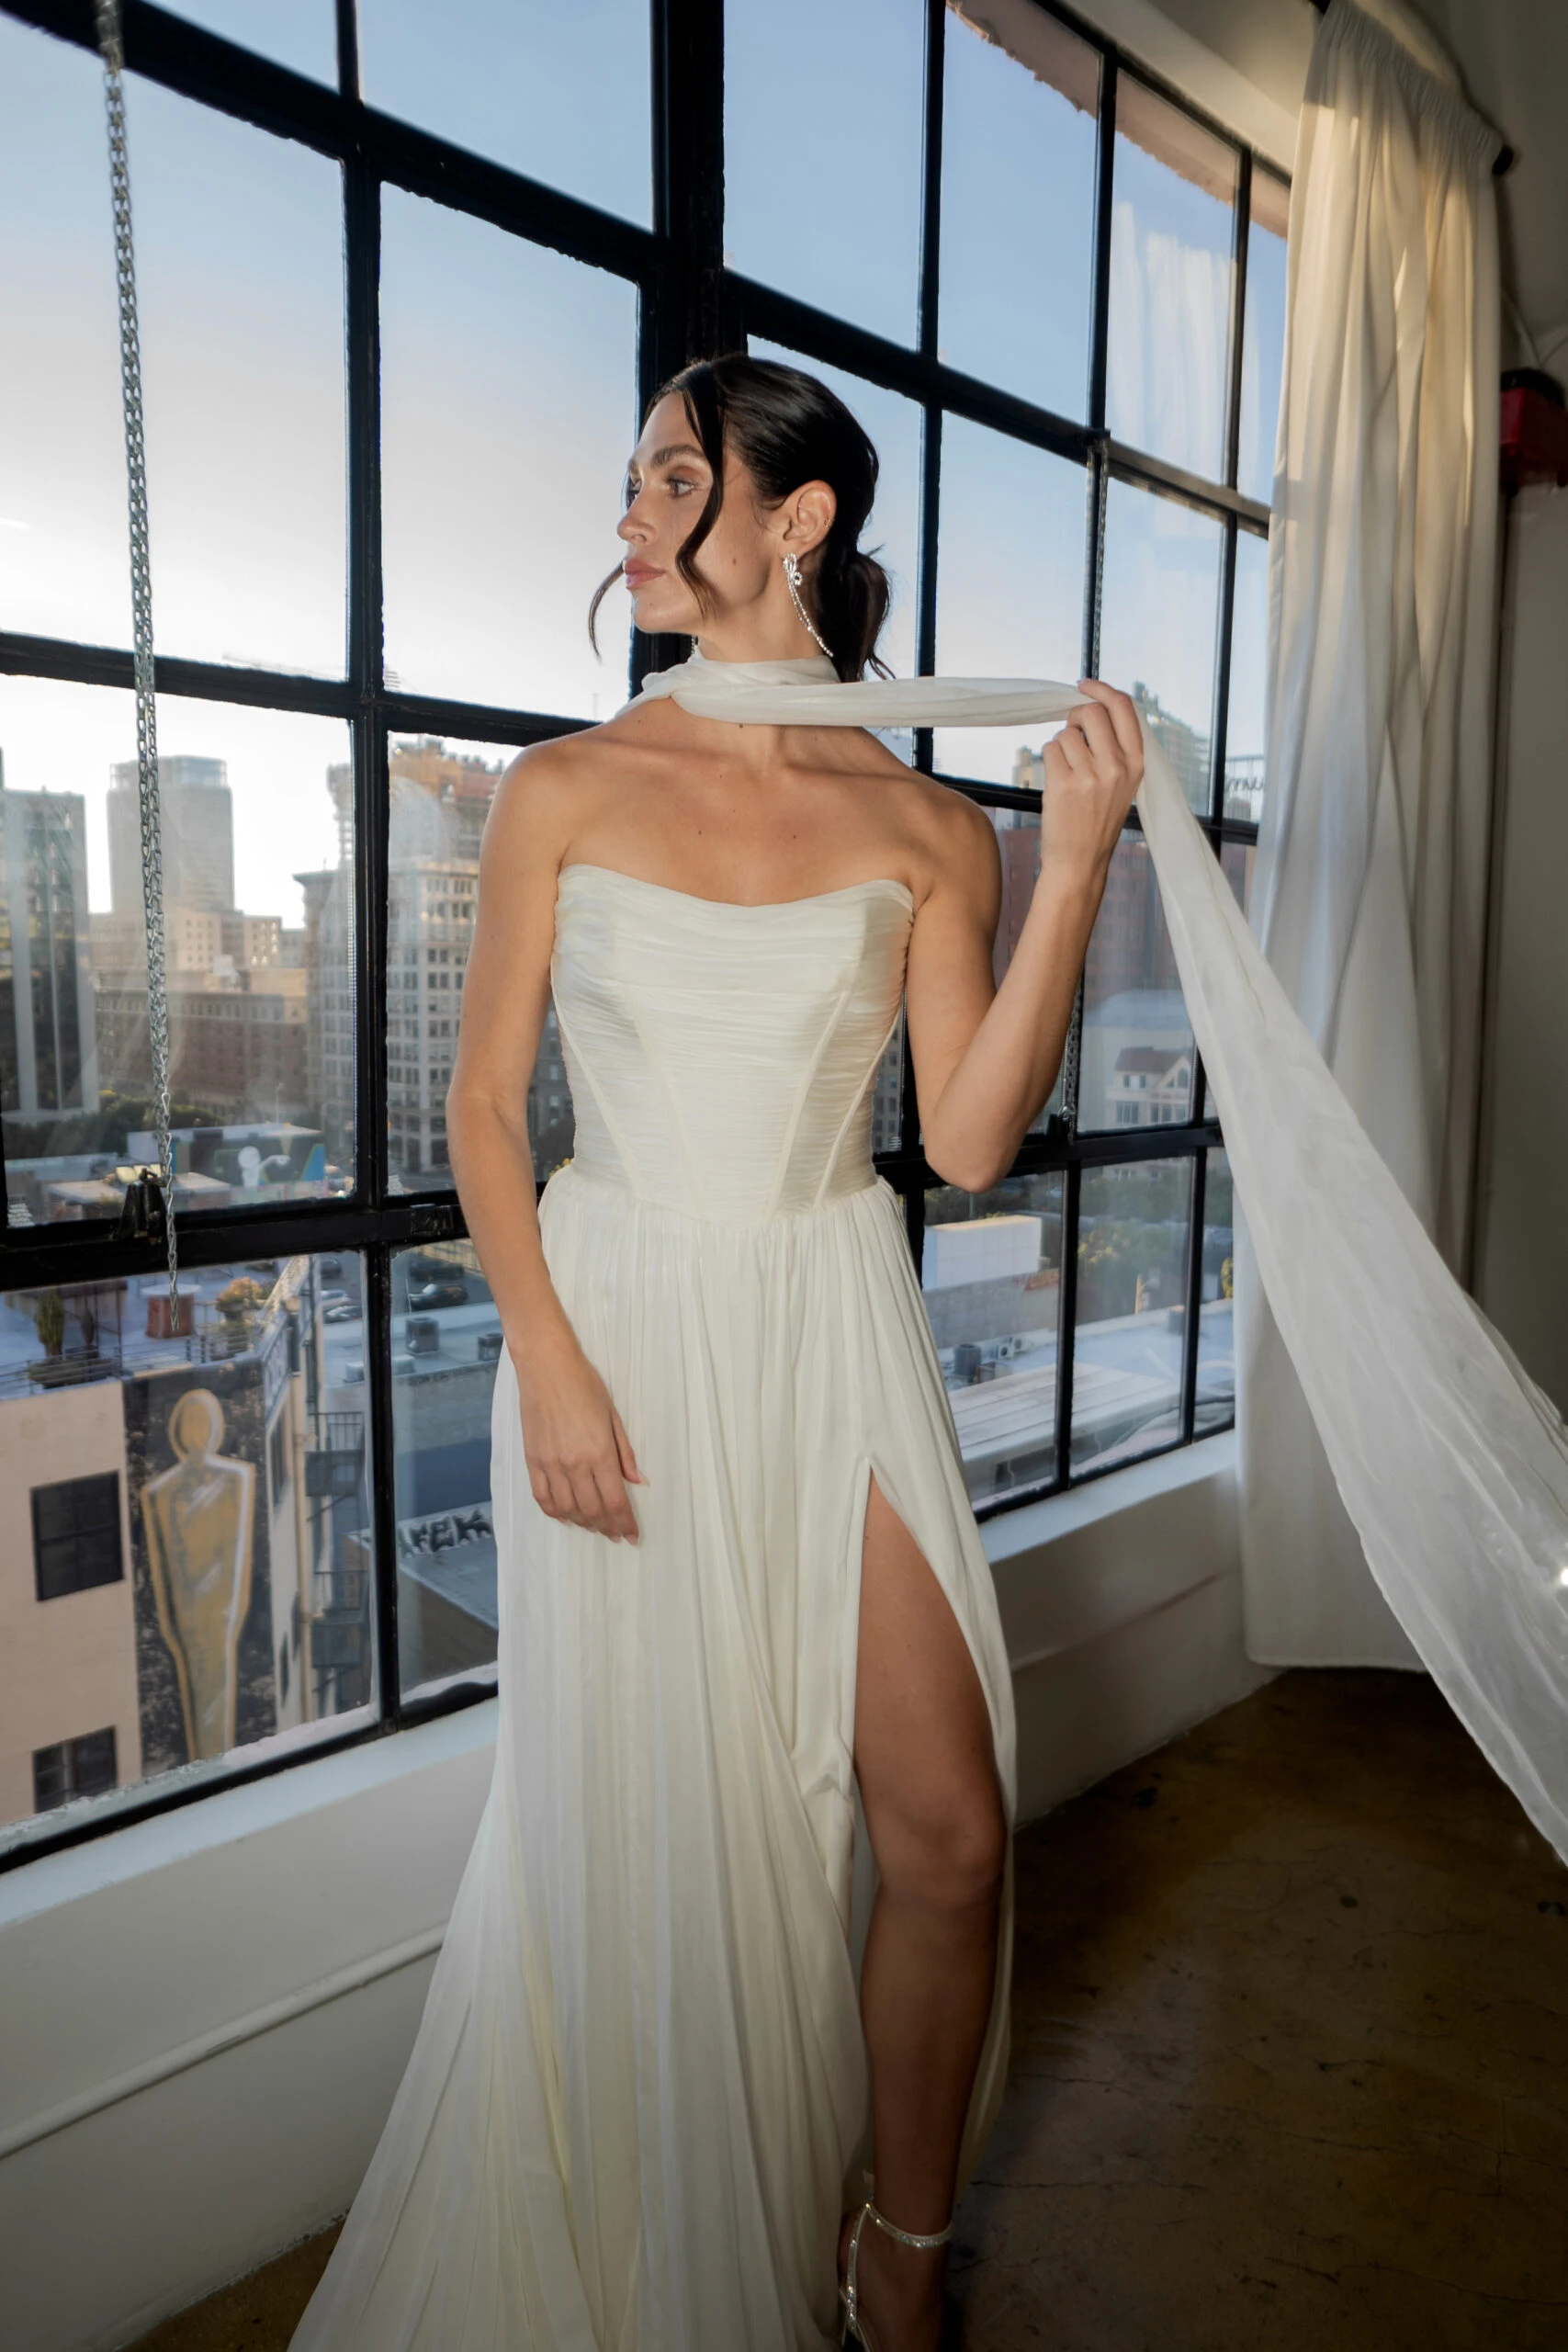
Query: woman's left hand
{"x": 1093, "y": 769}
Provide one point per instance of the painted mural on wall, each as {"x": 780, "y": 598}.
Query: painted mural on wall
{"x": 197, "y": 1522}
{"x": 195, "y": 1452}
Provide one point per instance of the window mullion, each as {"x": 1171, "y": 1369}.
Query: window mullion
{"x": 363, "y": 246}
{"x": 688, "y": 151}
{"x": 1221, "y": 716}
{"x": 1194, "y": 1297}
{"x": 930, "y": 165}
{"x": 929, "y": 312}
{"x": 348, "y": 49}
{"x": 381, "y": 1460}
{"x": 1100, "y": 315}
{"x": 1066, "y": 1313}
{"x": 1241, "y": 226}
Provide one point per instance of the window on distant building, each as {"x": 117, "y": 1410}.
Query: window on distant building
{"x": 73, "y": 1768}
{"x": 76, "y": 1535}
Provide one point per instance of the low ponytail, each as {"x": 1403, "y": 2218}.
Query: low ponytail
{"x": 849, "y": 593}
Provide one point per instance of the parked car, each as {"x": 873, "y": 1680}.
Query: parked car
{"x": 423, "y": 1296}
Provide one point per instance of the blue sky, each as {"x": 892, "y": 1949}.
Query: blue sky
{"x": 509, "y": 373}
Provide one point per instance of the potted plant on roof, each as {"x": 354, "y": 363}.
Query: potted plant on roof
{"x": 239, "y": 1303}
{"x": 49, "y": 1319}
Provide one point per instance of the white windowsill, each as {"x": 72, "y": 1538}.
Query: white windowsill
{"x": 227, "y": 1815}
{"x": 1032, "y": 1525}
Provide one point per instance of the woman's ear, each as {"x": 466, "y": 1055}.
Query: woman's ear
{"x": 807, "y": 517}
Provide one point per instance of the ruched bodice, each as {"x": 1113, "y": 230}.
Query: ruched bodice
{"x": 722, "y": 1057}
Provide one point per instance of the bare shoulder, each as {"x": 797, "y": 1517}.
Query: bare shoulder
{"x": 960, "y": 841}
{"x": 540, "y": 794}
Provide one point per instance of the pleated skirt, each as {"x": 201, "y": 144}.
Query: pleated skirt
{"x": 637, "y": 2102}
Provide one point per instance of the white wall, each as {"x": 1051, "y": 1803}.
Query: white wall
{"x": 1521, "y": 1272}
{"x": 241, "y": 1980}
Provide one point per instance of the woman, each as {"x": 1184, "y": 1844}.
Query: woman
{"x": 739, "y": 1576}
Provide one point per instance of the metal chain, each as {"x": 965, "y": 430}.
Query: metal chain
{"x": 112, "y": 50}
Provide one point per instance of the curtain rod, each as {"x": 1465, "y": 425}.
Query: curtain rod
{"x": 1503, "y": 159}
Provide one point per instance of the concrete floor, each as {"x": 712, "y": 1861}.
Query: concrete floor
{"x": 1290, "y": 2057}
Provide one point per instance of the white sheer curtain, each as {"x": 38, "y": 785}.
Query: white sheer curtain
{"x": 1369, "y": 886}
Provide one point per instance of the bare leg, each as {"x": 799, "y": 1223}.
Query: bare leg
{"x": 926, "y": 1772}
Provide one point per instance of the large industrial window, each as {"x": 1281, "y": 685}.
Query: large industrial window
{"x": 407, "y": 277}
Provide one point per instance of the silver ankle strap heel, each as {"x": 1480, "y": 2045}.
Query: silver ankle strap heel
{"x": 854, "y": 2323}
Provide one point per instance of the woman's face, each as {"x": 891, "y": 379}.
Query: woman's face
{"x": 739, "y": 563}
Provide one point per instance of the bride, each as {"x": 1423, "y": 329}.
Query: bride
{"x": 740, "y": 1583}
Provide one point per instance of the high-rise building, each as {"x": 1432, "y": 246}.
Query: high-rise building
{"x": 198, "y": 811}
{"x": 328, "y": 962}
{"x": 48, "y": 1042}
{"x": 439, "y": 801}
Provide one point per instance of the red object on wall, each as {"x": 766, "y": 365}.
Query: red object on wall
{"x": 1533, "y": 430}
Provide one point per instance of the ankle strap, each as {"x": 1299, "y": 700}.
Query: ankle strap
{"x": 907, "y": 2237}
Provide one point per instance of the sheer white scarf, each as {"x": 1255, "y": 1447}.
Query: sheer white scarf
{"x": 1452, "y": 1463}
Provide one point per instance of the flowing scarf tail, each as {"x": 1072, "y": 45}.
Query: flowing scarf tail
{"x": 1452, "y": 1462}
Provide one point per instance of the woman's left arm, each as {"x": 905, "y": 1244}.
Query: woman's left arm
{"x": 986, "y": 1058}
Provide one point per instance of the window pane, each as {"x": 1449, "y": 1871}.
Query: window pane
{"x": 440, "y": 794}
{"x": 887, "y": 1098}
{"x": 1157, "y": 636}
{"x": 893, "y": 530}
{"x": 992, "y": 1278}
{"x": 234, "y": 1446}
{"x": 1245, "y": 711}
{"x": 1171, "y": 235}
{"x": 1134, "y": 1228}
{"x": 558, "y": 92}
{"x": 261, "y": 997}
{"x": 1010, "y": 581}
{"x": 240, "y": 282}
{"x": 823, "y": 130}
{"x": 1216, "y": 1343}
{"x": 1020, "y": 101}
{"x": 62, "y": 535}
{"x": 240, "y": 293}
{"x": 1137, "y": 1062}
{"x": 508, "y": 412}
{"x": 1018, "y": 845}
{"x": 1263, "y": 334}
{"x": 301, "y": 34}
{"x": 445, "y": 1345}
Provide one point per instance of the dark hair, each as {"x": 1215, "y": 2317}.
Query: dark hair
{"x": 787, "y": 428}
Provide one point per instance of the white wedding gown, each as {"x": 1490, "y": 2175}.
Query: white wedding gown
{"x": 640, "y": 2081}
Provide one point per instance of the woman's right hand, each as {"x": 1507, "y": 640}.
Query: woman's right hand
{"x": 578, "y": 1452}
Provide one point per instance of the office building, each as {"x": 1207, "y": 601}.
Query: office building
{"x": 48, "y": 1039}
{"x": 198, "y": 812}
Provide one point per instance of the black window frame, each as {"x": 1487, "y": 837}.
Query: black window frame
{"x": 690, "y": 304}
{"x": 96, "y": 1496}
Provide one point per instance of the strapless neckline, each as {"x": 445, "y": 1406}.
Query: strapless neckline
{"x": 737, "y": 906}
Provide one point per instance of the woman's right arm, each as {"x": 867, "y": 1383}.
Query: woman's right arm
{"x": 578, "y": 1455}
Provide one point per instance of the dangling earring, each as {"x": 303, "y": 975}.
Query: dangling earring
{"x": 792, "y": 580}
